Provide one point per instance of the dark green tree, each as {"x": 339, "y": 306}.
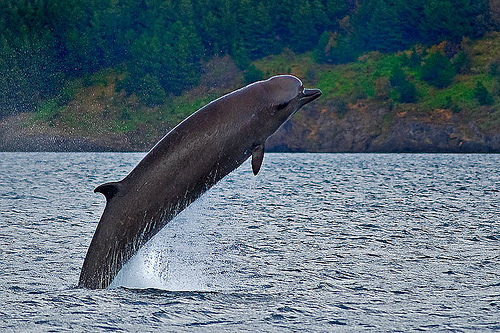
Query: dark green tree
{"x": 336, "y": 48}
{"x": 183, "y": 69}
{"x": 335, "y": 10}
{"x": 303, "y": 35}
{"x": 322, "y": 48}
{"x": 410, "y": 14}
{"x": 438, "y": 70}
{"x": 461, "y": 63}
{"x": 281, "y": 12}
{"x": 150, "y": 90}
{"x": 439, "y": 20}
{"x": 253, "y": 74}
{"x": 255, "y": 28}
{"x": 451, "y": 20}
{"x": 482, "y": 95}
{"x": 405, "y": 89}
{"x": 398, "y": 76}
{"x": 240, "y": 55}
{"x": 383, "y": 30}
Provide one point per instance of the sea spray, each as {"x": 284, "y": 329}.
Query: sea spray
{"x": 179, "y": 257}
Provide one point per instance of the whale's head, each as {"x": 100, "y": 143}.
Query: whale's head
{"x": 286, "y": 95}
{"x": 274, "y": 101}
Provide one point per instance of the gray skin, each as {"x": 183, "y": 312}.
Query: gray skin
{"x": 189, "y": 160}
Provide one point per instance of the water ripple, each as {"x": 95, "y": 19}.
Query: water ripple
{"x": 315, "y": 242}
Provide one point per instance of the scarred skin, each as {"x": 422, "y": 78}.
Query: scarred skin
{"x": 189, "y": 160}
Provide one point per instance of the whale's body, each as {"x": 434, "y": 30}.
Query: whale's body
{"x": 190, "y": 159}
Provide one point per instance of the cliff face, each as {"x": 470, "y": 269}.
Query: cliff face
{"x": 377, "y": 127}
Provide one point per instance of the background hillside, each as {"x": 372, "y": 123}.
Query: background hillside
{"x": 417, "y": 75}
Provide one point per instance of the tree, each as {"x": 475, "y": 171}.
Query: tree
{"x": 410, "y": 15}
{"x": 255, "y": 28}
{"x": 461, "y": 63}
{"x": 281, "y": 11}
{"x": 253, "y": 74}
{"x": 406, "y": 90}
{"x": 303, "y": 33}
{"x": 482, "y": 95}
{"x": 322, "y": 48}
{"x": 398, "y": 76}
{"x": 383, "y": 30}
{"x": 451, "y": 20}
{"x": 335, "y": 10}
{"x": 438, "y": 70}
{"x": 336, "y": 48}
{"x": 438, "y": 21}
{"x": 240, "y": 56}
{"x": 185, "y": 54}
{"x": 150, "y": 90}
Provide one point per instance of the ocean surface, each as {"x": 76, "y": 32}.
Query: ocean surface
{"x": 315, "y": 242}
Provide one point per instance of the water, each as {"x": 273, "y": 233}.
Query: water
{"x": 315, "y": 242}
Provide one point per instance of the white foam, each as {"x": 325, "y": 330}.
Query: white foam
{"x": 178, "y": 258}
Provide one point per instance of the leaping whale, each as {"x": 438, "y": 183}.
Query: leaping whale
{"x": 185, "y": 163}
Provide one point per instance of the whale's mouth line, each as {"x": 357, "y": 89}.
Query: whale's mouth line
{"x": 310, "y": 95}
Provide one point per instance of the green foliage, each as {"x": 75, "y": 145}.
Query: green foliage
{"x": 253, "y": 74}
{"x": 322, "y": 48}
{"x": 412, "y": 59}
{"x": 50, "y": 110}
{"x": 405, "y": 90}
{"x": 398, "y": 77}
{"x": 495, "y": 68}
{"x": 43, "y": 44}
{"x": 451, "y": 20}
{"x": 461, "y": 63}
{"x": 302, "y": 27}
{"x": 147, "y": 88}
{"x": 391, "y": 25}
{"x": 380, "y": 33}
{"x": 482, "y": 95}
{"x": 335, "y": 48}
{"x": 240, "y": 56}
{"x": 438, "y": 70}
{"x": 407, "y": 93}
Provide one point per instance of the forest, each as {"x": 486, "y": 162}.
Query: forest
{"x": 160, "y": 44}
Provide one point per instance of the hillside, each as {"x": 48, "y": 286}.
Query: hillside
{"x": 368, "y": 105}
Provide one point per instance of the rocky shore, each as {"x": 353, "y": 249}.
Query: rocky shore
{"x": 377, "y": 128}
{"x": 361, "y": 128}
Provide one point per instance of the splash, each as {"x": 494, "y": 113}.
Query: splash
{"x": 178, "y": 258}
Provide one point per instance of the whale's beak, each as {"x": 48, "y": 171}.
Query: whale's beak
{"x": 310, "y": 95}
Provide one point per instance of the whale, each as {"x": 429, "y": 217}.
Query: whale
{"x": 185, "y": 163}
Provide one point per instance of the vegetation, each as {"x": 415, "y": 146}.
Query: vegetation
{"x": 405, "y": 90}
{"x": 482, "y": 95}
{"x": 159, "y": 45}
{"x": 438, "y": 70}
{"x": 465, "y": 81}
{"x": 131, "y": 69}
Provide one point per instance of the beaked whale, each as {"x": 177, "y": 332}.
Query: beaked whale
{"x": 184, "y": 164}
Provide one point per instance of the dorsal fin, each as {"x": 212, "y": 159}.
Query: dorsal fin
{"x": 108, "y": 189}
{"x": 257, "y": 157}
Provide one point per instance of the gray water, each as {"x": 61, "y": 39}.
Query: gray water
{"x": 315, "y": 242}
